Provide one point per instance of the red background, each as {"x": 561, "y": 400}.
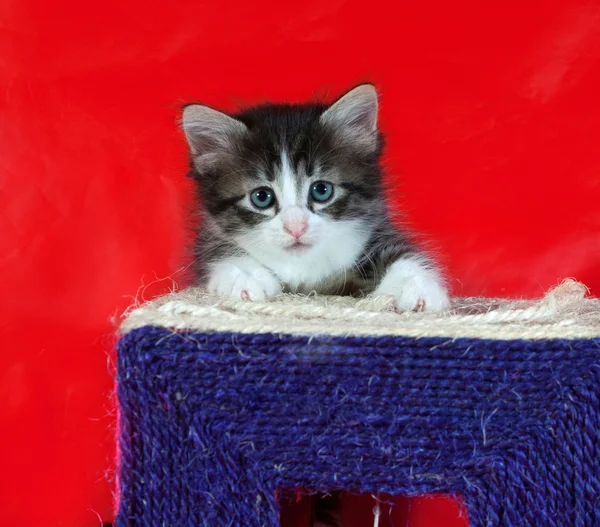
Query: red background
{"x": 493, "y": 123}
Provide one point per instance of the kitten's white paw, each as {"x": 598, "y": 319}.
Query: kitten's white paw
{"x": 415, "y": 286}
{"x": 243, "y": 279}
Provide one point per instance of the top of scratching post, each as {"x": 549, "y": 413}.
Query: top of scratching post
{"x": 563, "y": 313}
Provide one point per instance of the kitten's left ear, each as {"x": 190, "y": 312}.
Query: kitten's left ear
{"x": 353, "y": 117}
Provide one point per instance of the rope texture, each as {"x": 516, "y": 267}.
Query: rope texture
{"x": 563, "y": 313}
{"x": 214, "y": 426}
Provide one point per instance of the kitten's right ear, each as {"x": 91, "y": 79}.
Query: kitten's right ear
{"x": 210, "y": 133}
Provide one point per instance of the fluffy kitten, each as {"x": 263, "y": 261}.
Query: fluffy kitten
{"x": 292, "y": 200}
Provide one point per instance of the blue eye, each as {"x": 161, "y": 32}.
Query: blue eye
{"x": 321, "y": 191}
{"x": 262, "y": 198}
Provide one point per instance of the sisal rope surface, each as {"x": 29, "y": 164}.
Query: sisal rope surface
{"x": 563, "y": 313}
{"x": 254, "y": 400}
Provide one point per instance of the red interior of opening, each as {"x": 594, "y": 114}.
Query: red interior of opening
{"x": 390, "y": 511}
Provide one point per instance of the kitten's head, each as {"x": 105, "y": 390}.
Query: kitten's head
{"x": 286, "y": 181}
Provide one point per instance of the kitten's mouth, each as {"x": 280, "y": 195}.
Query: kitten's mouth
{"x": 297, "y": 247}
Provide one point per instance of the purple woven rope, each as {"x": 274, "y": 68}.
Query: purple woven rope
{"x": 212, "y": 425}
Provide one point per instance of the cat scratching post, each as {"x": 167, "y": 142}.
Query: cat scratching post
{"x": 222, "y": 404}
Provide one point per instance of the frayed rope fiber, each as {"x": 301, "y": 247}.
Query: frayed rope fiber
{"x": 564, "y": 312}
{"x": 224, "y": 406}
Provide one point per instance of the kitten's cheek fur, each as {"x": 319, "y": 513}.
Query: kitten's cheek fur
{"x": 415, "y": 286}
{"x": 243, "y": 278}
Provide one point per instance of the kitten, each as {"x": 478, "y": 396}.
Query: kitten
{"x": 292, "y": 200}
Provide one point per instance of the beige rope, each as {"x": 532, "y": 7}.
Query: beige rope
{"x": 564, "y": 312}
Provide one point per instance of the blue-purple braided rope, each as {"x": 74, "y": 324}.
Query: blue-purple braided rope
{"x": 212, "y": 425}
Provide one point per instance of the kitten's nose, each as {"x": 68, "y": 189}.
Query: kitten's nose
{"x": 295, "y": 228}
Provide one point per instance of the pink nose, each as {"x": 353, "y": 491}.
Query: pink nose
{"x": 295, "y": 228}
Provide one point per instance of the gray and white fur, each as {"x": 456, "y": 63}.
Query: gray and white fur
{"x": 292, "y": 199}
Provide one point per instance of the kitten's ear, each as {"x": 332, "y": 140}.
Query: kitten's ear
{"x": 210, "y": 133}
{"x": 353, "y": 117}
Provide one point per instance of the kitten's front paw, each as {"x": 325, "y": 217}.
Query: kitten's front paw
{"x": 415, "y": 287}
{"x": 243, "y": 279}
{"x": 410, "y": 295}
